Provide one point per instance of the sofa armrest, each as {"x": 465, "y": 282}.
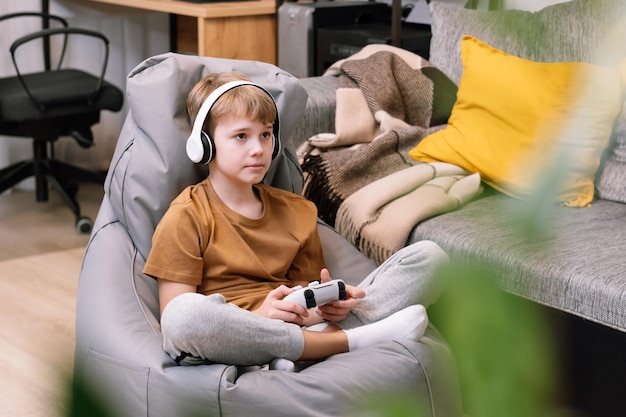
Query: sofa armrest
{"x": 319, "y": 114}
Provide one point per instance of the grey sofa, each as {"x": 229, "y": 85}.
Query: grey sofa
{"x": 119, "y": 359}
{"x": 579, "y": 267}
{"x": 576, "y": 263}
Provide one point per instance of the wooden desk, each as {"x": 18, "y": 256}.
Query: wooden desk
{"x": 230, "y": 29}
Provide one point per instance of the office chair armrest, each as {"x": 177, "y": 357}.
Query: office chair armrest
{"x": 46, "y": 18}
{"x": 65, "y": 31}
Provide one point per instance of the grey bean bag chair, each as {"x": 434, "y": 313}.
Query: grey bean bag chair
{"x": 119, "y": 351}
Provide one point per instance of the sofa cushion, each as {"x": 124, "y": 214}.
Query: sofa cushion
{"x": 580, "y": 30}
{"x": 611, "y": 178}
{"x": 319, "y": 114}
{"x": 517, "y": 121}
{"x": 566, "y": 258}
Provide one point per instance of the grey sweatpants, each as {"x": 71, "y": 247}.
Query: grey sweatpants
{"x": 209, "y": 329}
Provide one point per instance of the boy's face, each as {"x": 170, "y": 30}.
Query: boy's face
{"x": 243, "y": 149}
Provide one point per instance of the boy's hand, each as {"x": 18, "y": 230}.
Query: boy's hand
{"x": 274, "y": 307}
{"x": 339, "y": 309}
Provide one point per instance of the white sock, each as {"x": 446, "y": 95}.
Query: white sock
{"x": 407, "y": 324}
{"x": 282, "y": 364}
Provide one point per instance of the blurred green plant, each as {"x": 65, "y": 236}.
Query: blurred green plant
{"x": 505, "y": 353}
{"x": 83, "y": 401}
{"x": 504, "y": 350}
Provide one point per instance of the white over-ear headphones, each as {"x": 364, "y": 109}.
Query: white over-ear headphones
{"x": 200, "y": 145}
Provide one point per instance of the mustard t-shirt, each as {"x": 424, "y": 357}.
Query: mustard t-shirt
{"x": 201, "y": 241}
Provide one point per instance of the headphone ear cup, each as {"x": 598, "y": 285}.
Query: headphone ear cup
{"x": 208, "y": 146}
{"x": 275, "y": 146}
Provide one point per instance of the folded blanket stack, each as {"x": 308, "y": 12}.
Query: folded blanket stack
{"x": 379, "y": 217}
{"x": 385, "y": 98}
{"x": 388, "y": 99}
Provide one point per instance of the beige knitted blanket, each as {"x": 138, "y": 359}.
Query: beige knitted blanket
{"x": 384, "y": 107}
{"x": 379, "y": 217}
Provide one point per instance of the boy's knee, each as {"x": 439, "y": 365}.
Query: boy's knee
{"x": 182, "y": 314}
{"x": 191, "y": 323}
{"x": 424, "y": 251}
{"x": 435, "y": 251}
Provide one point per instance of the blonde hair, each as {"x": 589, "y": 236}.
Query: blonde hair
{"x": 246, "y": 100}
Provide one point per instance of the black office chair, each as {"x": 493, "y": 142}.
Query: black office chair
{"x": 51, "y": 103}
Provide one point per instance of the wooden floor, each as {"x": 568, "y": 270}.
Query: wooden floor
{"x": 28, "y": 227}
{"x": 40, "y": 257}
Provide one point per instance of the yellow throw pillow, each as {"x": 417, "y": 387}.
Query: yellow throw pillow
{"x": 524, "y": 124}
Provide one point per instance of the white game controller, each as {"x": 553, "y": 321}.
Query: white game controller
{"x": 317, "y": 294}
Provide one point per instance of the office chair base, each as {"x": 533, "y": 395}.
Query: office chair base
{"x": 60, "y": 175}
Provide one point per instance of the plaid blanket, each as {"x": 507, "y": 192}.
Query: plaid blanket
{"x": 388, "y": 99}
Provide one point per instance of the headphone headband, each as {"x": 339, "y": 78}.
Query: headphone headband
{"x": 197, "y": 148}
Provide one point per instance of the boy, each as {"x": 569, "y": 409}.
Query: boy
{"x": 229, "y": 249}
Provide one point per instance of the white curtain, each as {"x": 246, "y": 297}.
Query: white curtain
{"x": 133, "y": 34}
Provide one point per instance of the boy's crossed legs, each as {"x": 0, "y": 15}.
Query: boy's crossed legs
{"x": 393, "y": 309}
